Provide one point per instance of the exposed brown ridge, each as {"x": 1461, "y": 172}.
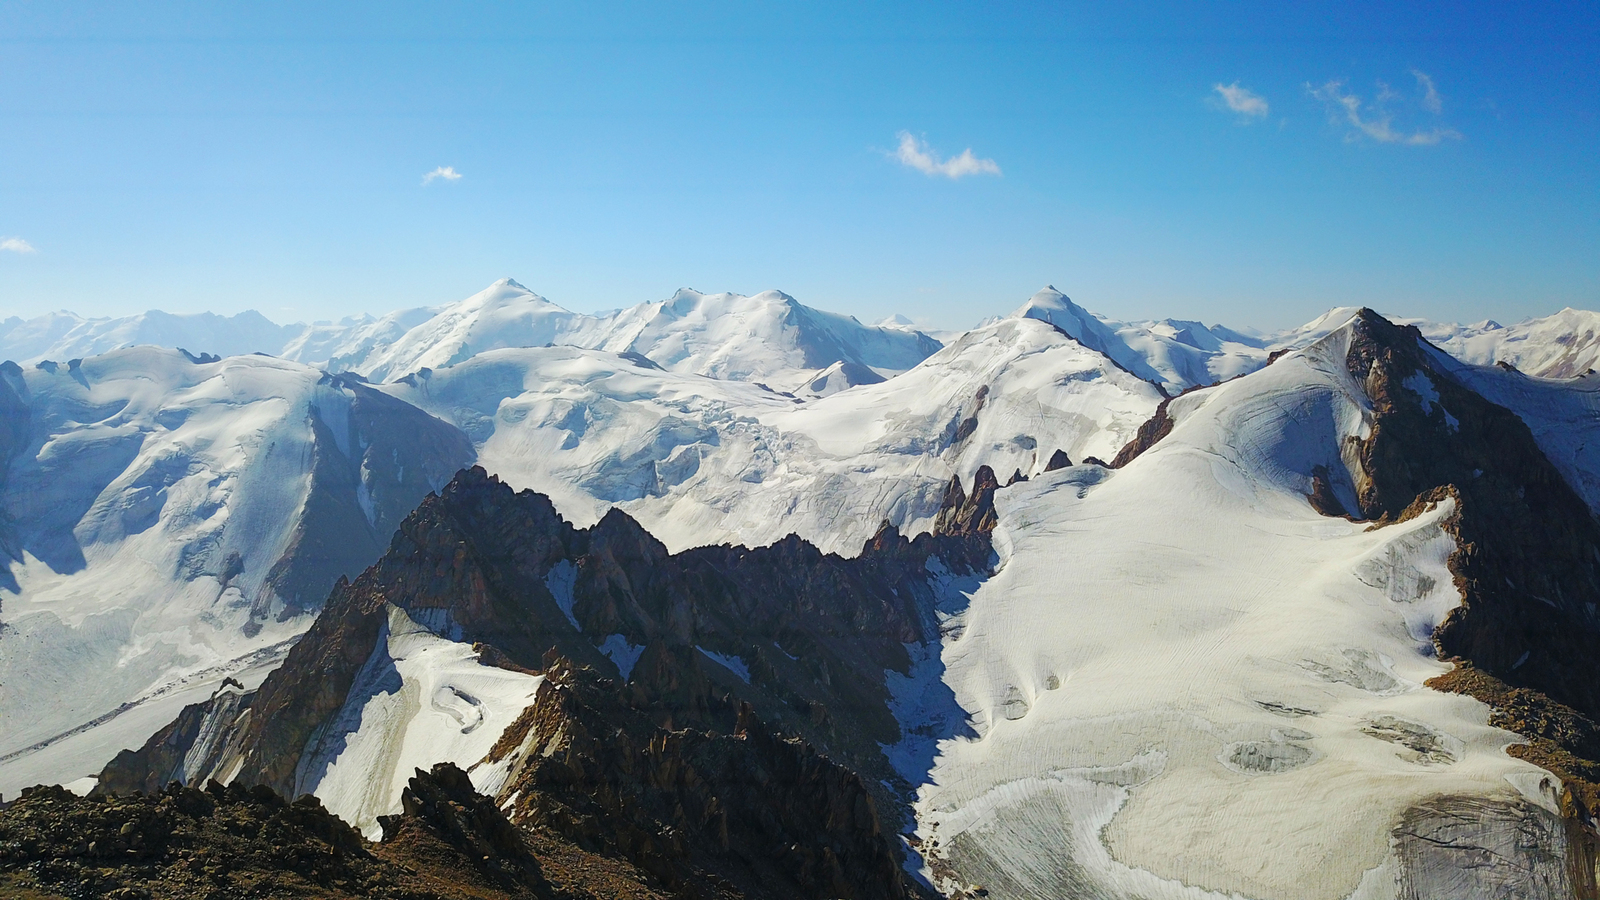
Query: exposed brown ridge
{"x": 1153, "y": 430}
{"x": 1527, "y": 562}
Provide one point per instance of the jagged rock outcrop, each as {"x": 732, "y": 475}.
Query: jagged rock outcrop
{"x": 181, "y": 843}
{"x": 182, "y": 748}
{"x": 1527, "y": 558}
{"x": 1058, "y": 460}
{"x": 1157, "y": 427}
{"x": 1323, "y": 498}
{"x": 443, "y": 813}
{"x": 962, "y": 513}
{"x": 746, "y": 813}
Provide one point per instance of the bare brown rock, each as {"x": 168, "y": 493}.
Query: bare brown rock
{"x": 1152, "y": 431}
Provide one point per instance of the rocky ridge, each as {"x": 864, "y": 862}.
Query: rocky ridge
{"x": 713, "y": 782}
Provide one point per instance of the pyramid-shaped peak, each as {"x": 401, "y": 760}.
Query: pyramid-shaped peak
{"x": 1050, "y": 305}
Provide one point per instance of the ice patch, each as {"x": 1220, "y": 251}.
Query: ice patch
{"x": 1422, "y": 744}
{"x": 560, "y": 581}
{"x": 732, "y": 663}
{"x": 1420, "y": 384}
{"x": 622, "y": 653}
{"x": 1264, "y": 757}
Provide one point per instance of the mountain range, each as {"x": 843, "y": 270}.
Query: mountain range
{"x": 725, "y": 596}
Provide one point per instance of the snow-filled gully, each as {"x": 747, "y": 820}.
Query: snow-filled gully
{"x": 420, "y": 699}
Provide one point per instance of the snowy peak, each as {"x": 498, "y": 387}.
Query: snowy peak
{"x": 1563, "y": 345}
{"x": 769, "y": 337}
{"x": 505, "y": 314}
{"x": 1050, "y": 305}
{"x": 840, "y": 376}
{"x": 1175, "y": 354}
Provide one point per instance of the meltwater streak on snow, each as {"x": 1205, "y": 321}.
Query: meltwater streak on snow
{"x": 419, "y": 700}
{"x": 1188, "y": 652}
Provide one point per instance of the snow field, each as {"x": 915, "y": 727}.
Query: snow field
{"x": 1237, "y": 703}
{"x": 421, "y": 699}
{"x": 159, "y": 493}
{"x": 702, "y": 461}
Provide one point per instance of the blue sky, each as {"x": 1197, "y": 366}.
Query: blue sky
{"x": 220, "y": 157}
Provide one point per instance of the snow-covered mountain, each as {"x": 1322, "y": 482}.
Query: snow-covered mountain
{"x": 63, "y": 336}
{"x": 168, "y": 523}
{"x": 304, "y": 475}
{"x": 769, "y": 337}
{"x": 701, "y": 460}
{"x": 1263, "y": 660}
{"x": 1196, "y": 670}
{"x": 1321, "y": 633}
{"x": 1174, "y": 354}
{"x": 505, "y": 314}
{"x": 1563, "y": 345}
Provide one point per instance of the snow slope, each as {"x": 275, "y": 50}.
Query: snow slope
{"x": 1184, "y": 682}
{"x": 166, "y": 523}
{"x": 1562, "y": 413}
{"x": 420, "y": 699}
{"x": 700, "y": 460}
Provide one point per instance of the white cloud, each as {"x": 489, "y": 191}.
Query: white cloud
{"x": 918, "y": 155}
{"x": 16, "y": 245}
{"x": 1377, "y": 122}
{"x": 1243, "y": 101}
{"x": 1430, "y": 94}
{"x": 448, "y": 173}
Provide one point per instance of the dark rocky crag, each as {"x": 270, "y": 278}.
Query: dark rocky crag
{"x": 1527, "y": 562}
{"x": 182, "y": 843}
{"x": 1152, "y": 431}
{"x": 744, "y": 814}
{"x": 712, "y": 784}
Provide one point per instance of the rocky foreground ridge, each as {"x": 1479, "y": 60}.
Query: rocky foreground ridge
{"x": 673, "y": 769}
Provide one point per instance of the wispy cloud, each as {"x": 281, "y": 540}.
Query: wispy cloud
{"x": 448, "y": 173}
{"x": 16, "y": 245}
{"x": 1243, "y": 101}
{"x": 1377, "y": 121}
{"x": 918, "y": 155}
{"x": 1430, "y": 94}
